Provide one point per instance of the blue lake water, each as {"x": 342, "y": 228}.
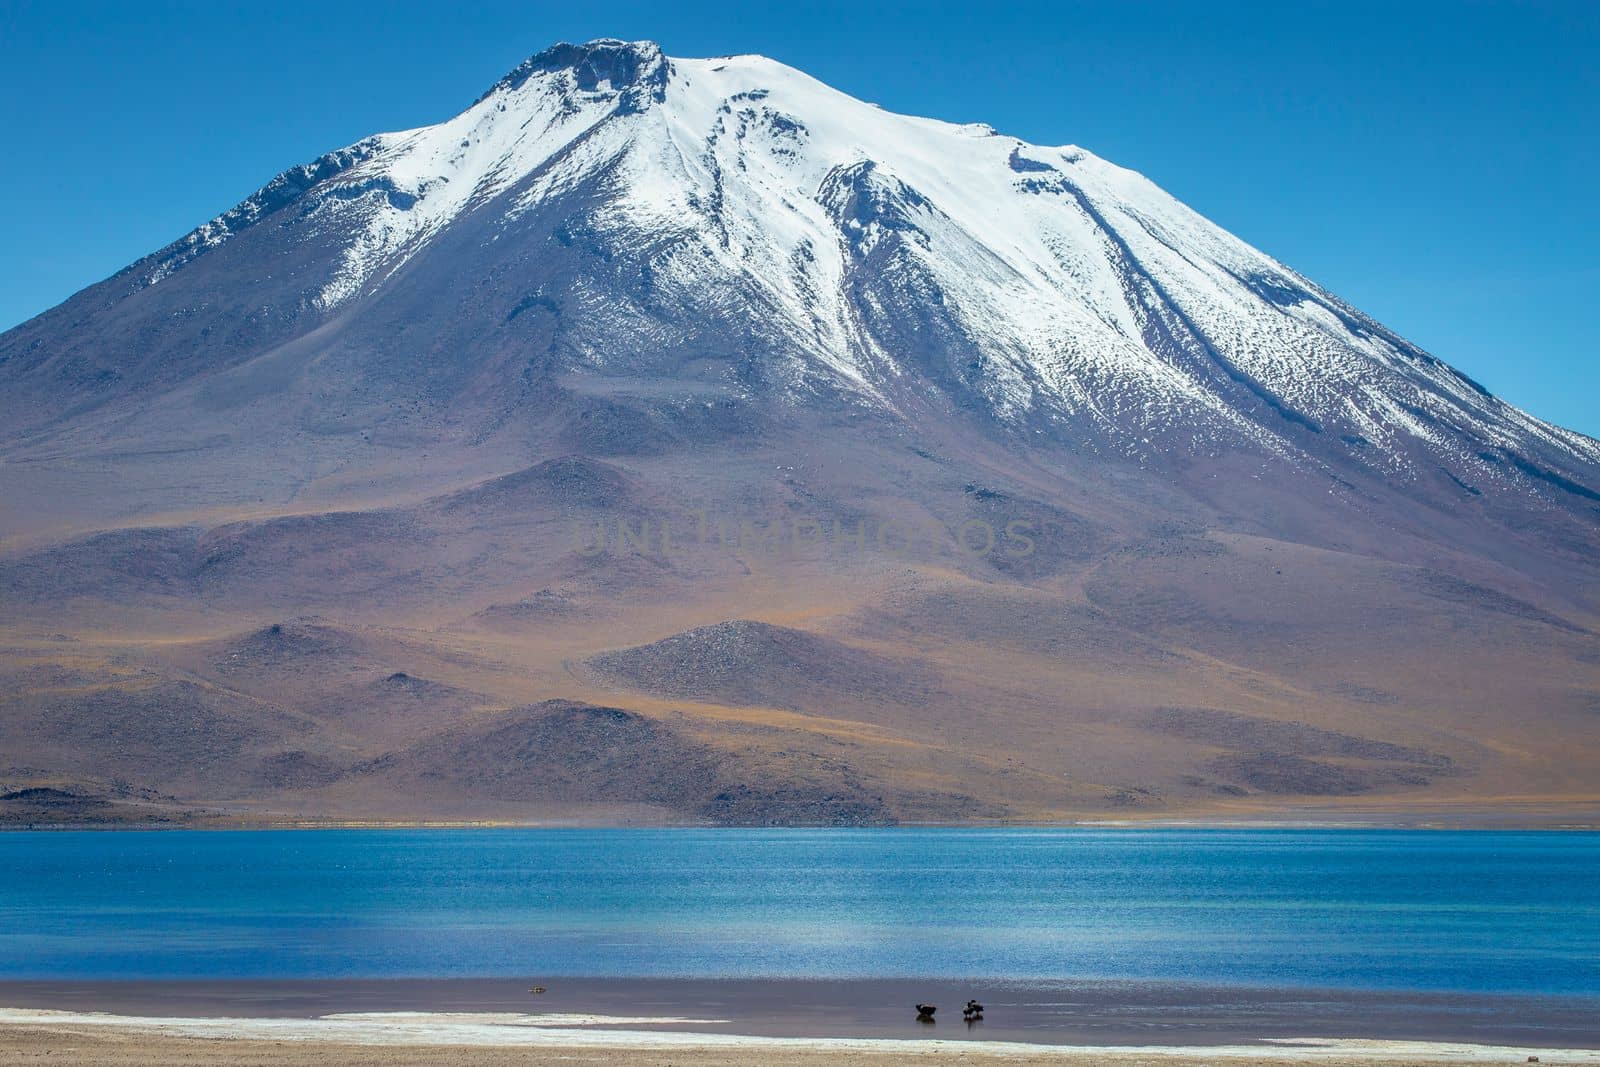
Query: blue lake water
{"x": 1472, "y": 911}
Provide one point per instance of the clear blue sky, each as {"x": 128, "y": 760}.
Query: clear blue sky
{"x": 1434, "y": 163}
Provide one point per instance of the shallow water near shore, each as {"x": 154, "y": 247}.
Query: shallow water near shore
{"x": 1358, "y": 910}
{"x": 1079, "y": 1014}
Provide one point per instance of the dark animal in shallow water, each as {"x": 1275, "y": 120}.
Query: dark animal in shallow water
{"x": 925, "y": 1012}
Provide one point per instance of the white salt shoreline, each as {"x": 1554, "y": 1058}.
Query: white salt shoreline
{"x": 558, "y": 1030}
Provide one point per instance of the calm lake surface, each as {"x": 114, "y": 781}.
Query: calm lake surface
{"x": 1499, "y": 912}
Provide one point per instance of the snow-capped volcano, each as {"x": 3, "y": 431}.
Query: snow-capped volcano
{"x": 871, "y": 253}
{"x": 291, "y": 502}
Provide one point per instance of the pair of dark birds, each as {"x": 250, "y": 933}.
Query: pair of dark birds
{"x": 971, "y": 1013}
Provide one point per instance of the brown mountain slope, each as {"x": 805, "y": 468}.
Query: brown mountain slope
{"x": 1170, "y": 669}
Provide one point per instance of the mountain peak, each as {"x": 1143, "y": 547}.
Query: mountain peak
{"x": 605, "y": 63}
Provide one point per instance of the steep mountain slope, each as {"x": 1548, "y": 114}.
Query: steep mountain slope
{"x": 910, "y": 469}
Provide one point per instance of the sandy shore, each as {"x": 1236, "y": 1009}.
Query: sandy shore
{"x": 21, "y": 1046}
{"x": 34, "y": 1037}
